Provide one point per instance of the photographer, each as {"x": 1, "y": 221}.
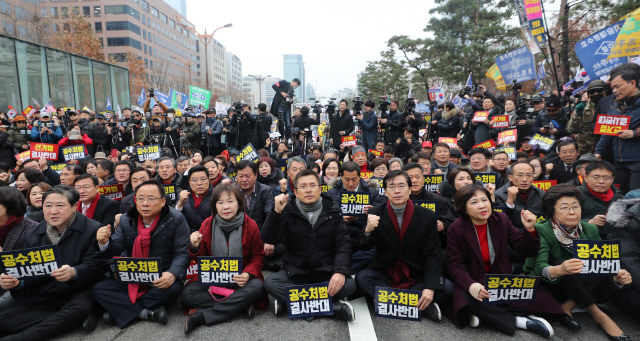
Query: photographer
{"x": 191, "y": 131}
{"x": 173, "y": 130}
{"x": 137, "y": 129}
{"x": 46, "y": 131}
{"x": 395, "y": 123}
{"x": 120, "y": 139}
{"x": 369, "y": 123}
{"x": 342, "y": 124}
{"x": 75, "y": 136}
{"x": 283, "y": 97}
{"x": 305, "y": 121}
{"x": 582, "y": 124}
{"x": 264, "y": 126}
{"x": 211, "y": 128}
{"x": 158, "y": 108}
{"x": 552, "y": 121}
{"x": 19, "y": 133}
{"x": 246, "y": 123}
{"x": 100, "y": 136}
{"x": 157, "y": 132}
{"x": 413, "y": 119}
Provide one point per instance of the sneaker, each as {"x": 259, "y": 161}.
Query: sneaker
{"x": 277, "y": 307}
{"x": 539, "y": 326}
{"x": 474, "y": 321}
{"x": 433, "y": 312}
{"x": 344, "y": 311}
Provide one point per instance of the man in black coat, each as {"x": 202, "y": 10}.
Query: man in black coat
{"x": 305, "y": 121}
{"x": 407, "y": 247}
{"x": 317, "y": 245}
{"x": 264, "y": 121}
{"x": 137, "y": 176}
{"x": 401, "y": 146}
{"x": 195, "y": 204}
{"x": 283, "y": 91}
{"x": 246, "y": 123}
{"x": 52, "y": 305}
{"x": 342, "y": 124}
{"x": 93, "y": 205}
{"x": 395, "y": 123}
{"x": 519, "y": 193}
{"x": 258, "y": 197}
{"x": 168, "y": 235}
{"x": 563, "y": 169}
{"x": 170, "y": 178}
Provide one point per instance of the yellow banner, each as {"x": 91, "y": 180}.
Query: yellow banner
{"x": 500, "y": 84}
{"x": 626, "y": 40}
{"x": 493, "y": 72}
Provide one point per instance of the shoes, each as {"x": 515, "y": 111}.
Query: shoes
{"x": 107, "y": 319}
{"x": 474, "y": 321}
{"x": 623, "y": 337}
{"x": 344, "y": 311}
{"x": 277, "y": 307}
{"x": 539, "y": 326}
{"x": 159, "y": 315}
{"x": 433, "y": 312}
{"x": 251, "y": 311}
{"x": 194, "y": 321}
{"x": 90, "y": 322}
{"x": 570, "y": 322}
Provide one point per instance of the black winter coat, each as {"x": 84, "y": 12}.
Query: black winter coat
{"x": 396, "y": 124}
{"x": 281, "y": 86}
{"x": 534, "y": 203}
{"x": 261, "y": 204}
{"x": 624, "y": 218}
{"x": 194, "y": 216}
{"x": 272, "y": 179}
{"x": 594, "y": 206}
{"x": 106, "y": 210}
{"x": 323, "y": 248}
{"x": 340, "y": 123}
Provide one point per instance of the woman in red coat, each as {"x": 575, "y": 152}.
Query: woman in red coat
{"x": 229, "y": 232}
{"x": 478, "y": 244}
{"x": 65, "y": 141}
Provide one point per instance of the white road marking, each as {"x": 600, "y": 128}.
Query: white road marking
{"x": 362, "y": 328}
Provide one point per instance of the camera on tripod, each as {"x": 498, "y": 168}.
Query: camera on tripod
{"x": 383, "y": 107}
{"x": 237, "y": 107}
{"x": 317, "y": 107}
{"x": 410, "y": 104}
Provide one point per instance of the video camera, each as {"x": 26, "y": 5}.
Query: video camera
{"x": 317, "y": 107}
{"x": 237, "y": 107}
{"x": 522, "y": 108}
{"x": 467, "y": 90}
{"x": 410, "y": 104}
{"x": 357, "y": 105}
{"x": 383, "y": 107}
{"x": 574, "y": 85}
{"x": 152, "y": 92}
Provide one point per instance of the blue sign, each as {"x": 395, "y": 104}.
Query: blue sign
{"x": 398, "y": 304}
{"x": 541, "y": 75}
{"x": 518, "y": 64}
{"x": 309, "y": 300}
{"x": 593, "y": 51}
{"x": 159, "y": 96}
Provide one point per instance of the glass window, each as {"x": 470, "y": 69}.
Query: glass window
{"x": 54, "y": 12}
{"x": 144, "y": 19}
{"x": 86, "y": 11}
{"x": 121, "y": 9}
{"x": 144, "y": 34}
{"x": 144, "y": 5}
{"x": 163, "y": 18}
{"x": 31, "y": 66}
{"x": 65, "y": 12}
{"x": 136, "y": 2}
{"x": 98, "y": 27}
{"x": 154, "y": 11}
{"x": 8, "y": 28}
{"x": 5, "y": 7}
{"x": 97, "y": 11}
{"x": 172, "y": 23}
{"x": 9, "y": 86}
{"x": 23, "y": 14}
{"x": 121, "y": 77}
{"x": 23, "y": 32}
{"x": 122, "y": 26}
{"x": 148, "y": 21}
{"x": 60, "y": 78}
{"x": 102, "y": 85}
{"x": 144, "y": 46}
{"x": 124, "y": 41}
{"x": 76, "y": 10}
{"x": 83, "y": 82}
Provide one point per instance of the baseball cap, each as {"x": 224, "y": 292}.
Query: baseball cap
{"x": 45, "y": 114}
{"x": 536, "y": 99}
{"x": 455, "y": 152}
{"x": 596, "y": 84}
{"x": 100, "y": 116}
{"x": 553, "y": 102}
{"x": 427, "y": 144}
{"x": 233, "y": 151}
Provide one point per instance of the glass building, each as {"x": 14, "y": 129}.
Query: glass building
{"x": 30, "y": 71}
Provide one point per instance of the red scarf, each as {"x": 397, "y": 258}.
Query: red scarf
{"x": 11, "y": 223}
{"x": 291, "y": 185}
{"x": 400, "y": 273}
{"x": 92, "y": 208}
{"x": 197, "y": 201}
{"x": 141, "y": 250}
{"x": 606, "y": 197}
{"x": 216, "y": 181}
{"x": 364, "y": 168}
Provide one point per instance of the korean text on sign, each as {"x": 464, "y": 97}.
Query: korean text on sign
{"x": 114, "y": 192}
{"x": 511, "y": 152}
{"x": 452, "y": 142}
{"x": 487, "y": 178}
{"x": 58, "y": 167}
{"x": 545, "y": 184}
{"x": 375, "y": 152}
{"x": 77, "y": 152}
{"x": 248, "y": 153}
{"x": 398, "y": 303}
{"x": 138, "y": 270}
{"x": 170, "y": 191}
{"x": 380, "y": 182}
{"x": 148, "y": 152}
{"x": 508, "y": 136}
{"x": 218, "y": 271}
{"x": 611, "y": 124}
{"x": 23, "y": 156}
{"x": 501, "y": 121}
{"x": 349, "y": 140}
{"x": 489, "y": 145}
{"x": 510, "y": 288}
{"x": 44, "y": 150}
{"x": 545, "y": 143}
{"x": 431, "y": 182}
{"x": 480, "y": 116}
{"x": 430, "y": 204}
{"x": 600, "y": 257}
{"x": 353, "y": 203}
{"x": 309, "y": 300}
{"x": 31, "y": 263}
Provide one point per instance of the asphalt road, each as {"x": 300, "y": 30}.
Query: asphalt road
{"x": 265, "y": 326}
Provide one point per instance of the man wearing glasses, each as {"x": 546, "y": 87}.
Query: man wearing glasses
{"x": 599, "y": 193}
{"x": 582, "y": 123}
{"x": 257, "y": 197}
{"x": 553, "y": 121}
{"x": 93, "y": 205}
{"x": 121, "y": 176}
{"x": 150, "y": 229}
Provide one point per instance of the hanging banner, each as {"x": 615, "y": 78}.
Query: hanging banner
{"x": 593, "y": 51}
{"x": 518, "y": 65}
{"x": 626, "y": 41}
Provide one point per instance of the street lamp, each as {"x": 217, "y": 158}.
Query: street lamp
{"x": 259, "y": 80}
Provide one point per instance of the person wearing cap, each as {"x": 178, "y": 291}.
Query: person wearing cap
{"x": 283, "y": 91}
{"x": 455, "y": 157}
{"x": 551, "y": 122}
{"x": 582, "y": 124}
{"x": 359, "y": 156}
{"x": 191, "y": 131}
{"x": 45, "y": 131}
{"x": 427, "y": 147}
{"x": 537, "y": 103}
{"x": 100, "y": 135}
{"x": 580, "y": 165}
{"x": 19, "y": 133}
{"x": 137, "y": 128}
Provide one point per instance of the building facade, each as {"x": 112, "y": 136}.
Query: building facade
{"x": 178, "y": 5}
{"x": 233, "y": 67}
{"x": 293, "y": 67}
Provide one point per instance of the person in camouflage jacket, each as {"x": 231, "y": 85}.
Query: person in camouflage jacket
{"x": 582, "y": 122}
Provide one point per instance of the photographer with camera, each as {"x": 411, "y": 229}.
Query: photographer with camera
{"x": 284, "y": 97}
{"x": 46, "y": 131}
{"x": 369, "y": 123}
{"x": 191, "y": 131}
{"x": 582, "y": 123}
{"x": 75, "y": 136}
{"x": 137, "y": 129}
{"x": 19, "y": 133}
{"x": 395, "y": 123}
{"x": 263, "y": 127}
{"x": 342, "y": 124}
{"x": 211, "y": 128}
{"x": 413, "y": 119}
{"x": 120, "y": 138}
{"x": 157, "y": 132}
{"x": 173, "y": 128}
{"x": 245, "y": 122}
{"x": 158, "y": 107}
{"x": 551, "y": 122}
{"x": 100, "y": 135}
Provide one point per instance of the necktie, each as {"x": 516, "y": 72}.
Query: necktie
{"x": 569, "y": 170}
{"x": 84, "y": 210}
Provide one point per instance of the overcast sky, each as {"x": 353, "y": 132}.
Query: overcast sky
{"x": 335, "y": 38}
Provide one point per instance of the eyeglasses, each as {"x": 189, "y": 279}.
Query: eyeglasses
{"x": 567, "y": 209}
{"x": 86, "y": 188}
{"x": 598, "y": 178}
{"x": 501, "y": 160}
{"x": 520, "y": 175}
{"x": 198, "y": 181}
{"x": 479, "y": 158}
{"x": 401, "y": 187}
{"x": 309, "y": 186}
{"x": 122, "y": 171}
{"x": 151, "y": 200}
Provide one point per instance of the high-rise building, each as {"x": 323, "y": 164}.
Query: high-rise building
{"x": 293, "y": 67}
{"x": 233, "y": 68}
{"x": 178, "y": 5}
{"x": 254, "y": 92}
{"x": 310, "y": 92}
{"x": 268, "y": 90}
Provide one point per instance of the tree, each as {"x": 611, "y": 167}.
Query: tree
{"x": 76, "y": 36}
{"x": 420, "y": 55}
{"x": 137, "y": 75}
{"x": 384, "y": 77}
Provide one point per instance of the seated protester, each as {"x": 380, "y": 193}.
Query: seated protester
{"x": 150, "y": 229}
{"x": 317, "y": 245}
{"x": 294, "y": 166}
{"x": 445, "y": 216}
{"x": 268, "y": 173}
{"x": 526, "y": 147}
{"x": 91, "y": 167}
{"x": 104, "y": 170}
{"x": 228, "y": 232}
{"x": 521, "y": 157}
{"x": 151, "y": 165}
{"x": 27, "y": 177}
{"x": 424, "y": 160}
{"x": 442, "y": 155}
{"x": 359, "y": 156}
{"x": 624, "y": 217}
{"x": 539, "y": 168}
{"x": 122, "y": 169}
{"x": 555, "y": 263}
{"x": 581, "y": 168}
{"x": 455, "y": 157}
{"x": 168, "y": 175}
{"x": 456, "y": 179}
{"x": 350, "y": 181}
{"x": 216, "y": 172}
{"x": 599, "y": 193}
{"x": 388, "y": 153}
{"x": 258, "y": 197}
{"x": 314, "y": 167}
{"x": 195, "y": 203}
{"x": 48, "y": 306}
{"x": 562, "y": 168}
{"x": 501, "y": 166}
{"x": 330, "y": 170}
{"x": 69, "y": 172}
{"x": 34, "y": 200}
{"x": 137, "y": 176}
{"x": 402, "y": 146}
{"x": 478, "y": 244}
{"x": 50, "y": 176}
{"x": 479, "y": 162}
{"x": 13, "y": 228}
{"x": 93, "y": 205}
{"x": 379, "y": 167}
{"x": 395, "y": 163}
{"x": 406, "y": 247}
{"x": 520, "y": 194}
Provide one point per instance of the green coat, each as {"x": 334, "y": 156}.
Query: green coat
{"x": 19, "y": 139}
{"x": 550, "y": 248}
{"x": 139, "y": 133}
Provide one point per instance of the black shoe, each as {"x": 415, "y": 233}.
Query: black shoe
{"x": 159, "y": 315}
{"x": 251, "y": 311}
{"x": 433, "y": 312}
{"x": 344, "y": 311}
{"x": 277, "y": 307}
{"x": 623, "y": 337}
{"x": 107, "y": 319}
{"x": 194, "y": 321}
{"x": 90, "y": 322}
{"x": 571, "y": 322}
{"x": 539, "y": 326}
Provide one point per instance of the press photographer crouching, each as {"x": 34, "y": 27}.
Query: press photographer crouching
{"x": 284, "y": 98}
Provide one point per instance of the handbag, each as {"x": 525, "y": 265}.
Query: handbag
{"x": 220, "y": 291}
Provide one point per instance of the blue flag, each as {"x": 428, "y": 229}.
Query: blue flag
{"x": 469, "y": 82}
{"x": 594, "y": 50}
{"x": 541, "y": 75}
{"x": 142, "y": 98}
{"x": 518, "y": 65}
{"x": 109, "y": 108}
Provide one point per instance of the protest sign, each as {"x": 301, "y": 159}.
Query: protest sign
{"x": 489, "y": 145}
{"x": 309, "y": 300}
{"x": 487, "y": 178}
{"x": 366, "y": 175}
{"x": 452, "y": 142}
{"x": 283, "y": 165}
{"x": 600, "y": 257}
{"x": 480, "y": 116}
{"x": 148, "y": 152}
{"x": 508, "y": 136}
{"x": 431, "y": 182}
{"x": 501, "y": 121}
{"x": 511, "y": 152}
{"x": 430, "y": 204}
{"x": 113, "y": 192}
{"x": 543, "y": 142}
{"x": 504, "y": 289}
{"x": 398, "y": 304}
{"x": 218, "y": 271}
{"x": 76, "y": 152}
{"x": 199, "y": 96}
{"x": 348, "y": 140}
{"x": 375, "y": 152}
{"x": 594, "y": 50}
{"x": 611, "y": 124}
{"x": 518, "y": 65}
{"x": 248, "y": 153}
{"x": 23, "y": 156}
{"x": 138, "y": 270}
{"x": 545, "y": 184}
{"x": 353, "y": 203}
{"x": 58, "y": 167}
{"x": 380, "y": 182}
{"x": 34, "y": 262}
{"x": 44, "y": 150}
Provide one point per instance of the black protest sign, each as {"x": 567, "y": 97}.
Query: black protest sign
{"x": 353, "y": 203}
{"x": 218, "y": 271}
{"x": 151, "y": 152}
{"x": 309, "y": 300}
{"x": 34, "y": 262}
{"x": 138, "y": 270}
{"x": 398, "y": 304}
{"x": 433, "y": 205}
{"x": 431, "y": 182}
{"x": 600, "y": 257}
{"x": 77, "y": 152}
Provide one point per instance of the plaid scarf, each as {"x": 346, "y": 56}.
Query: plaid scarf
{"x": 566, "y": 235}
{"x": 54, "y": 235}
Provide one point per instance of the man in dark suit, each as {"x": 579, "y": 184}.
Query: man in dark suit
{"x": 407, "y": 247}
{"x": 258, "y": 197}
{"x": 283, "y": 91}
{"x": 563, "y": 169}
{"x": 441, "y": 154}
{"x": 48, "y": 306}
{"x": 93, "y": 205}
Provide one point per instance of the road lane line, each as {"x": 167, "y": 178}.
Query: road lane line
{"x": 362, "y": 328}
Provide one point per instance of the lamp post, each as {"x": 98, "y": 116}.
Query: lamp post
{"x": 260, "y": 80}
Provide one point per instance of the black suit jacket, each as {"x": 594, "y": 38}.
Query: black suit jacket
{"x": 281, "y": 86}
{"x": 559, "y": 172}
{"x": 261, "y": 204}
{"x": 106, "y": 210}
{"x": 195, "y": 217}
